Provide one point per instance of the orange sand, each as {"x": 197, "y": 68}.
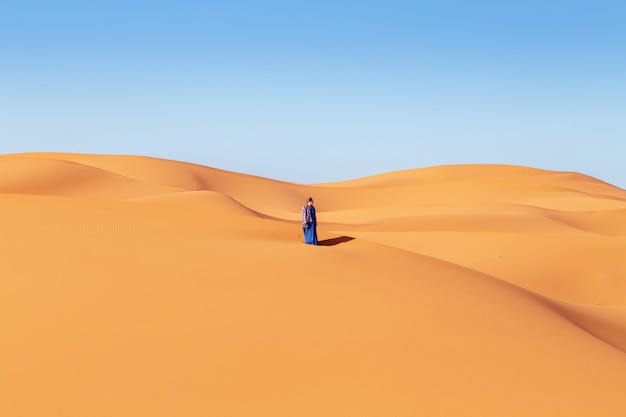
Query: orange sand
{"x": 134, "y": 286}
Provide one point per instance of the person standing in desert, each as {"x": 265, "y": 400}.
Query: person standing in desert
{"x": 309, "y": 223}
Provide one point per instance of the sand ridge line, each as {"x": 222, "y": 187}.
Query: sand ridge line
{"x": 607, "y": 323}
{"x": 46, "y": 176}
{"x": 35, "y": 218}
{"x": 199, "y": 200}
{"x": 610, "y": 328}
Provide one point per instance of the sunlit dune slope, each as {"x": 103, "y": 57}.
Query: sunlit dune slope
{"x": 133, "y": 286}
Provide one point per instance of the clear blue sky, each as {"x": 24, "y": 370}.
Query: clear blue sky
{"x": 316, "y": 91}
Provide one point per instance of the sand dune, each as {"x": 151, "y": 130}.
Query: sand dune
{"x": 134, "y": 286}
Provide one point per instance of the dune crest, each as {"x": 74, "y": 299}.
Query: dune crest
{"x": 139, "y": 286}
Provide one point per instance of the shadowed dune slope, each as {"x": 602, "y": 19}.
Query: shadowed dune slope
{"x": 134, "y": 286}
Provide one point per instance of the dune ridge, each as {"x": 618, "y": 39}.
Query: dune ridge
{"x": 137, "y": 286}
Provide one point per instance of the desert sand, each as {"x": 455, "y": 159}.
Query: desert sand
{"x": 134, "y": 286}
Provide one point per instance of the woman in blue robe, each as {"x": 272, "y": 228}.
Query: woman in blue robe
{"x": 309, "y": 223}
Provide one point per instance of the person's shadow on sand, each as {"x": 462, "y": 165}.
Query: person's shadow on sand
{"x": 335, "y": 241}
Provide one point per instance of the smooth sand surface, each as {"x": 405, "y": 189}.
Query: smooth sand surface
{"x": 133, "y": 286}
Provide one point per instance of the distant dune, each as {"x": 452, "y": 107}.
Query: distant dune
{"x": 134, "y": 286}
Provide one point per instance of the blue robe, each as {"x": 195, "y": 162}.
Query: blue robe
{"x": 309, "y": 225}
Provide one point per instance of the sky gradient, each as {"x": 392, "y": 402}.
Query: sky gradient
{"x": 319, "y": 91}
